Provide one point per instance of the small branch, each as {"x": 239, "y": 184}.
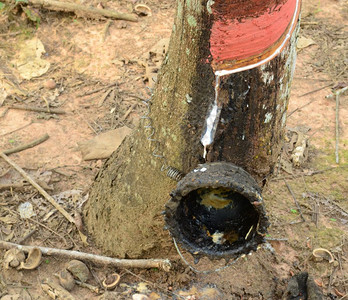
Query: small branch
{"x": 163, "y": 264}
{"x": 276, "y": 239}
{"x": 125, "y": 116}
{"x": 97, "y": 90}
{"x": 38, "y": 109}
{"x": 76, "y": 8}
{"x": 23, "y": 239}
{"x": 310, "y": 102}
{"x": 105, "y": 30}
{"x": 293, "y": 197}
{"x": 316, "y": 90}
{"x": 11, "y": 186}
{"x": 337, "y": 93}
{"x": 92, "y": 288}
{"x": 7, "y": 133}
{"x": 39, "y": 188}
{"x": 312, "y": 173}
{"x": 27, "y": 146}
{"x": 102, "y": 99}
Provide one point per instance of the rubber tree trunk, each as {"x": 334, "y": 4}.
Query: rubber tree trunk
{"x": 129, "y": 193}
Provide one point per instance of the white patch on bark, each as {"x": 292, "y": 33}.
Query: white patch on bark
{"x": 212, "y": 120}
{"x": 209, "y": 5}
{"x": 268, "y": 117}
{"x": 267, "y": 77}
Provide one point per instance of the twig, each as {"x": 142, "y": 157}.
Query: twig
{"x": 309, "y": 23}
{"x": 163, "y": 264}
{"x": 7, "y": 133}
{"x": 310, "y": 102}
{"x": 102, "y": 99}
{"x": 299, "y": 108}
{"x": 97, "y": 90}
{"x": 3, "y": 114}
{"x": 11, "y": 186}
{"x": 38, "y": 109}
{"x": 337, "y": 128}
{"x": 24, "y": 238}
{"x": 76, "y": 8}
{"x": 39, "y": 188}
{"x": 128, "y": 112}
{"x": 293, "y": 197}
{"x": 11, "y": 33}
{"x": 92, "y": 288}
{"x": 316, "y": 213}
{"x": 105, "y": 30}
{"x": 276, "y": 239}
{"x": 337, "y": 93}
{"x": 331, "y": 279}
{"x": 314, "y": 79}
{"x": 32, "y": 144}
{"x": 307, "y": 174}
{"x": 316, "y": 90}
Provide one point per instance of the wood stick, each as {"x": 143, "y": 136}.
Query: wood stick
{"x": 125, "y": 116}
{"x": 293, "y": 197}
{"x": 38, "y": 109}
{"x": 23, "y": 239}
{"x": 97, "y": 90}
{"x": 11, "y": 186}
{"x": 32, "y": 144}
{"x": 76, "y": 8}
{"x": 163, "y": 264}
{"x": 337, "y": 128}
{"x": 39, "y": 188}
{"x": 316, "y": 90}
{"x": 10, "y": 132}
{"x": 337, "y": 121}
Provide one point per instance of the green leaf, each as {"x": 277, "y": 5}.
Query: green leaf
{"x": 294, "y": 211}
{"x": 333, "y": 219}
{"x": 47, "y": 261}
{"x": 11, "y": 141}
{"x": 2, "y": 5}
{"x": 31, "y": 14}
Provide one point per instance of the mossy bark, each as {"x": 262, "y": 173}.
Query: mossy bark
{"x": 123, "y": 213}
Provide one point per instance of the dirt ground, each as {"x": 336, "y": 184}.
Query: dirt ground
{"x": 96, "y": 71}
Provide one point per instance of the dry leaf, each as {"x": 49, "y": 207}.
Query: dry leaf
{"x": 29, "y": 62}
{"x": 83, "y": 239}
{"x": 8, "y": 219}
{"x": 103, "y": 145}
{"x": 304, "y": 42}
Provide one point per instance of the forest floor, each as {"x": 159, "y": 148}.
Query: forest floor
{"x": 97, "y": 72}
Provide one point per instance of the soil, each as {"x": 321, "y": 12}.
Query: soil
{"x": 97, "y": 75}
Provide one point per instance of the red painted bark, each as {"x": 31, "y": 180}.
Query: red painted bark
{"x": 244, "y": 34}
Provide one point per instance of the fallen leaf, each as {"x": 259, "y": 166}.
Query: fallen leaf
{"x": 142, "y": 287}
{"x": 103, "y": 145}
{"x": 83, "y": 239}
{"x": 304, "y": 42}
{"x": 8, "y": 219}
{"x": 29, "y": 62}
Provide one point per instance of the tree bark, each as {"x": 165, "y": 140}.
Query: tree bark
{"x": 129, "y": 193}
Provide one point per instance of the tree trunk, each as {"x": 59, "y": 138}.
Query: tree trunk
{"x": 246, "y": 127}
